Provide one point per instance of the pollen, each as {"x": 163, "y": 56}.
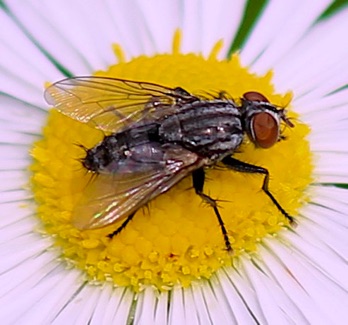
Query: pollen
{"x": 176, "y": 238}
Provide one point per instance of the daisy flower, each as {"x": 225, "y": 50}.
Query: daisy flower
{"x": 171, "y": 263}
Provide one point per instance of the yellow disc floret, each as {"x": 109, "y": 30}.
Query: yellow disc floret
{"x": 175, "y": 239}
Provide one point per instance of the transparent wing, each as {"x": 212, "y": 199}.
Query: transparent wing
{"x": 112, "y": 197}
{"x": 110, "y": 103}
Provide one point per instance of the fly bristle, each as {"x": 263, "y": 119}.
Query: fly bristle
{"x": 80, "y": 145}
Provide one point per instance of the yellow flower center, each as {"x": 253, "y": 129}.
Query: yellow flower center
{"x": 175, "y": 239}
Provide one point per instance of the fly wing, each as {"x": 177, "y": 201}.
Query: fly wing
{"x": 111, "y": 103}
{"x": 112, "y": 197}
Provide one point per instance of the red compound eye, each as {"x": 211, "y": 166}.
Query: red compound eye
{"x": 255, "y": 96}
{"x": 265, "y": 130}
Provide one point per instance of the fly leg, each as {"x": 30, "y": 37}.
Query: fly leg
{"x": 120, "y": 228}
{"x": 243, "y": 167}
{"x": 198, "y": 177}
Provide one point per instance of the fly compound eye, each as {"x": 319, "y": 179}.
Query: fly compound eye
{"x": 265, "y": 130}
{"x": 255, "y": 96}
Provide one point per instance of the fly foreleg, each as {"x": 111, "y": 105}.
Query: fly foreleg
{"x": 243, "y": 167}
{"x": 198, "y": 177}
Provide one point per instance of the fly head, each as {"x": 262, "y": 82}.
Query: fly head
{"x": 262, "y": 119}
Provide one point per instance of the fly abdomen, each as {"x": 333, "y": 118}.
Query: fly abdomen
{"x": 103, "y": 154}
{"x": 123, "y": 152}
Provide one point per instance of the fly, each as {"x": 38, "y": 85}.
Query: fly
{"x": 158, "y": 136}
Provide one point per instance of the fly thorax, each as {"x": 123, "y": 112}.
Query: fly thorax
{"x": 207, "y": 128}
{"x": 217, "y": 141}
{"x": 169, "y": 130}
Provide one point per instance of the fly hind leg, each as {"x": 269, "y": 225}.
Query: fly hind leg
{"x": 120, "y": 228}
{"x": 198, "y": 177}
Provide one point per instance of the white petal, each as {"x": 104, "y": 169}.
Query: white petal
{"x": 177, "y": 310}
{"x": 268, "y": 42}
{"x": 24, "y": 67}
{"x": 325, "y": 298}
{"x": 59, "y": 24}
{"x": 146, "y": 306}
{"x": 313, "y": 67}
{"x": 237, "y": 307}
{"x": 204, "y": 23}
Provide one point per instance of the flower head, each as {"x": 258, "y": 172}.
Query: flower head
{"x": 173, "y": 253}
